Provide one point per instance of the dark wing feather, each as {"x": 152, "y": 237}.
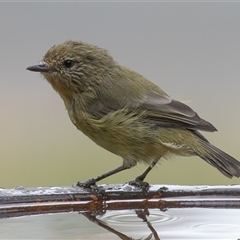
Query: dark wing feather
{"x": 166, "y": 112}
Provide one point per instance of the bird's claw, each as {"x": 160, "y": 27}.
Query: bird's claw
{"x": 140, "y": 184}
{"x": 87, "y": 184}
{"x": 91, "y": 184}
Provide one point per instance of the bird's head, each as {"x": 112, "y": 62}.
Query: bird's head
{"x": 73, "y": 67}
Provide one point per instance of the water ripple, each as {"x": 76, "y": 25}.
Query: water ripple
{"x": 126, "y": 217}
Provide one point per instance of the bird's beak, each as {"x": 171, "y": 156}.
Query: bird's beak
{"x": 40, "y": 68}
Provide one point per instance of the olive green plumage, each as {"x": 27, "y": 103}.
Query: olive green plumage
{"x": 125, "y": 113}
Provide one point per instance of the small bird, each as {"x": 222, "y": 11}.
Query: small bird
{"x": 123, "y": 112}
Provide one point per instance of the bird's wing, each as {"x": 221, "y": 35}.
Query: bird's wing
{"x": 166, "y": 112}
{"x": 161, "y": 110}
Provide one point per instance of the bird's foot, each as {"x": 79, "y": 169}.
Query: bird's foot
{"x": 91, "y": 184}
{"x": 140, "y": 184}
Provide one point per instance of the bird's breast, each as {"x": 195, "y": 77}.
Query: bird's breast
{"x": 124, "y": 135}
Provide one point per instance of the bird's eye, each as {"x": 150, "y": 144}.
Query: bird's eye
{"x": 68, "y": 63}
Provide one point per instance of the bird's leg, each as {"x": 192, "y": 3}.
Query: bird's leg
{"x": 92, "y": 181}
{"x": 139, "y": 180}
{"x": 145, "y": 173}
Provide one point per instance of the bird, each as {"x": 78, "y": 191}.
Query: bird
{"x": 125, "y": 113}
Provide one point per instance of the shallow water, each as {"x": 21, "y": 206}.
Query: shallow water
{"x": 184, "y": 223}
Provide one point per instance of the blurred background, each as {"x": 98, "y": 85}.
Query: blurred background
{"x": 191, "y": 50}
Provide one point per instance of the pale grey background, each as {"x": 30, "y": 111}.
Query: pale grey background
{"x": 191, "y": 50}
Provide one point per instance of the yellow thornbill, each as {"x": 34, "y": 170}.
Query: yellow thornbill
{"x": 125, "y": 113}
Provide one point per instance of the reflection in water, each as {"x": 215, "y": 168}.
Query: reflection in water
{"x": 155, "y": 224}
{"x": 175, "y": 223}
{"x": 142, "y": 214}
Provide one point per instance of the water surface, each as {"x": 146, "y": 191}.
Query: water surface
{"x": 184, "y": 223}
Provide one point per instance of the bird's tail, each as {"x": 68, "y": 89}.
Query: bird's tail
{"x": 226, "y": 164}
